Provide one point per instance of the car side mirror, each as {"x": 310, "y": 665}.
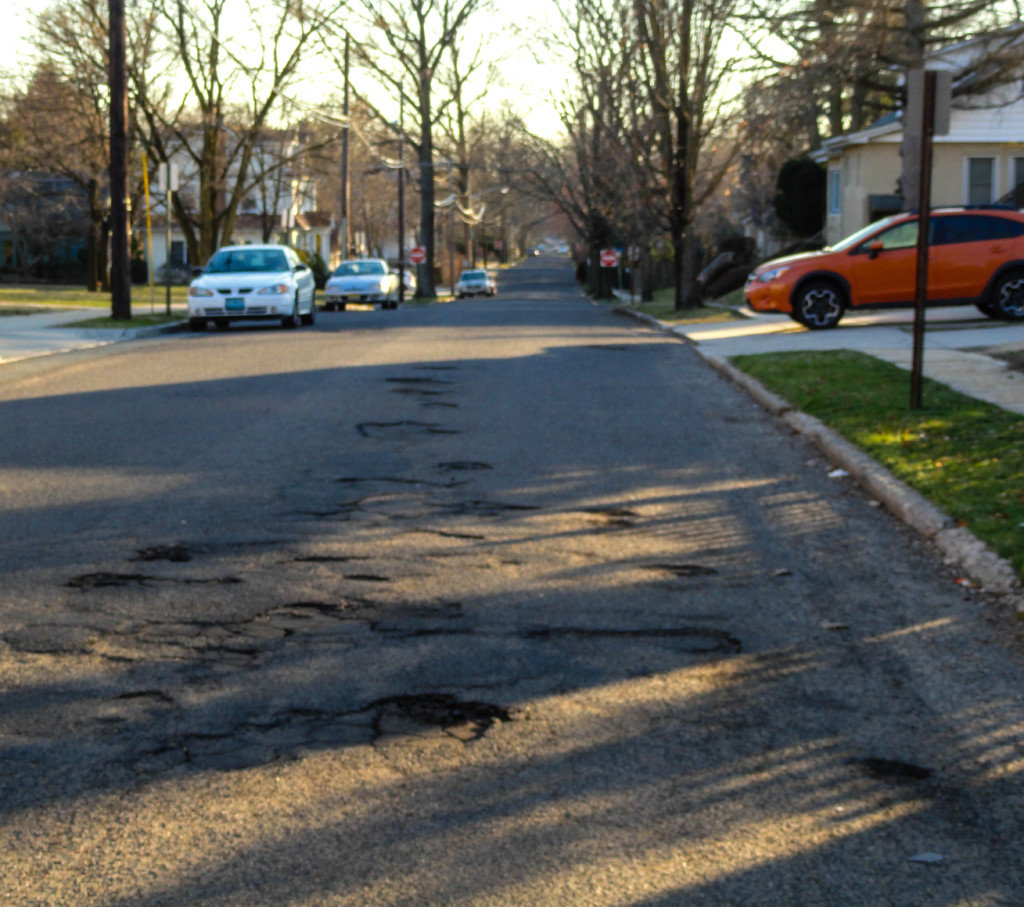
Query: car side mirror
{"x": 197, "y": 272}
{"x": 301, "y": 267}
{"x": 875, "y": 248}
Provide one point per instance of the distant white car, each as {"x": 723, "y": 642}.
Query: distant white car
{"x": 252, "y": 283}
{"x": 474, "y": 283}
{"x": 362, "y": 280}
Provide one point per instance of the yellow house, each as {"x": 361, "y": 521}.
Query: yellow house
{"x": 980, "y": 161}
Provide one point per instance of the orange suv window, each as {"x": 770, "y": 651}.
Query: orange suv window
{"x": 902, "y": 236}
{"x": 960, "y": 228}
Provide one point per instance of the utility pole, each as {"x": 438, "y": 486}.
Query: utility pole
{"x": 345, "y": 194}
{"x": 120, "y": 265}
{"x": 927, "y": 115}
{"x": 401, "y": 203}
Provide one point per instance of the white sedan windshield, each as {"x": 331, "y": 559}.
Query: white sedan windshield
{"x": 250, "y": 261}
{"x": 360, "y": 269}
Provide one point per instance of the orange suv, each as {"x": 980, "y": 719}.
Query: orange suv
{"x": 976, "y": 256}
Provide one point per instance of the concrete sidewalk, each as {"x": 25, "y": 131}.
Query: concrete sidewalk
{"x": 956, "y": 346}
{"x": 44, "y": 334}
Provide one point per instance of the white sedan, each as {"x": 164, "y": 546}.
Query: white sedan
{"x": 472, "y": 283}
{"x": 367, "y": 280}
{"x": 253, "y": 283}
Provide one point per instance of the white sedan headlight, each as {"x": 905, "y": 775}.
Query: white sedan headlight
{"x": 199, "y": 291}
{"x": 278, "y": 289}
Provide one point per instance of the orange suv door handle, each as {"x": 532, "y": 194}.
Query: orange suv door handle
{"x": 998, "y": 249}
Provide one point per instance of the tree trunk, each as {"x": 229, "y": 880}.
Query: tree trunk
{"x": 426, "y": 156}
{"x": 103, "y": 256}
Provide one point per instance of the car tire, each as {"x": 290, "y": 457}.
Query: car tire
{"x": 197, "y": 324}
{"x": 295, "y": 319}
{"x": 310, "y": 319}
{"x": 1006, "y": 301}
{"x": 819, "y": 305}
{"x": 221, "y": 324}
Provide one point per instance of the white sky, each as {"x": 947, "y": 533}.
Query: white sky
{"x": 528, "y": 83}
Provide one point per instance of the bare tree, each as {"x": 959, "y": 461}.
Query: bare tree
{"x": 407, "y": 48}
{"x": 234, "y": 84}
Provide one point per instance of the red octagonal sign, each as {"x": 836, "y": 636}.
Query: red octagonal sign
{"x": 417, "y": 255}
{"x": 609, "y": 258}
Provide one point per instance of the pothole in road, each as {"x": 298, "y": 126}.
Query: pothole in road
{"x": 485, "y": 508}
{"x": 291, "y": 732}
{"x": 329, "y": 559}
{"x": 103, "y": 580}
{"x": 691, "y": 640}
{"x": 403, "y": 430}
{"x": 175, "y": 554}
{"x": 394, "y": 480}
{"x": 416, "y": 392}
{"x": 613, "y": 517}
{"x": 464, "y": 720}
{"x": 419, "y": 381}
{"x": 48, "y": 639}
{"x": 683, "y": 570}
{"x": 463, "y": 465}
{"x": 892, "y": 770}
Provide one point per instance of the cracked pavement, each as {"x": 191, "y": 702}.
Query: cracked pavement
{"x": 595, "y": 630}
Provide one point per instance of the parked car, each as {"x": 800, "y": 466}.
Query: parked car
{"x": 252, "y": 283}
{"x": 367, "y": 280}
{"x": 475, "y": 283}
{"x": 976, "y": 256}
{"x": 410, "y": 282}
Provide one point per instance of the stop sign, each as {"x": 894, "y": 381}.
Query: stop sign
{"x": 417, "y": 255}
{"x": 609, "y": 258}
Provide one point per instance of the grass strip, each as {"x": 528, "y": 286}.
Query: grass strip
{"x": 59, "y": 295}
{"x": 137, "y": 321}
{"x": 663, "y": 308}
{"x": 964, "y": 455}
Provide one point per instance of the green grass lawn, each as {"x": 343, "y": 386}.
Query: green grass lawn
{"x": 663, "y": 308}
{"x": 62, "y": 296}
{"x": 964, "y": 455}
{"x": 137, "y": 321}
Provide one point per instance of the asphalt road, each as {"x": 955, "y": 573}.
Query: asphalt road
{"x": 498, "y": 602}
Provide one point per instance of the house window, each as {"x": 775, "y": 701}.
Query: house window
{"x": 980, "y": 174}
{"x": 178, "y": 253}
{"x": 835, "y": 191}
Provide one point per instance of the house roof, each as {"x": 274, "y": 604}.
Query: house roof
{"x": 974, "y": 124}
{"x": 888, "y": 129}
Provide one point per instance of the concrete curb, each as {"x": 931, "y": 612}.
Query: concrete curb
{"x": 958, "y": 545}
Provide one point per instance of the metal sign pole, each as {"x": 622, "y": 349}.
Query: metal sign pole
{"x": 924, "y": 186}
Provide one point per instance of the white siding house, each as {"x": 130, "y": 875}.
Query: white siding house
{"x": 980, "y": 161}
